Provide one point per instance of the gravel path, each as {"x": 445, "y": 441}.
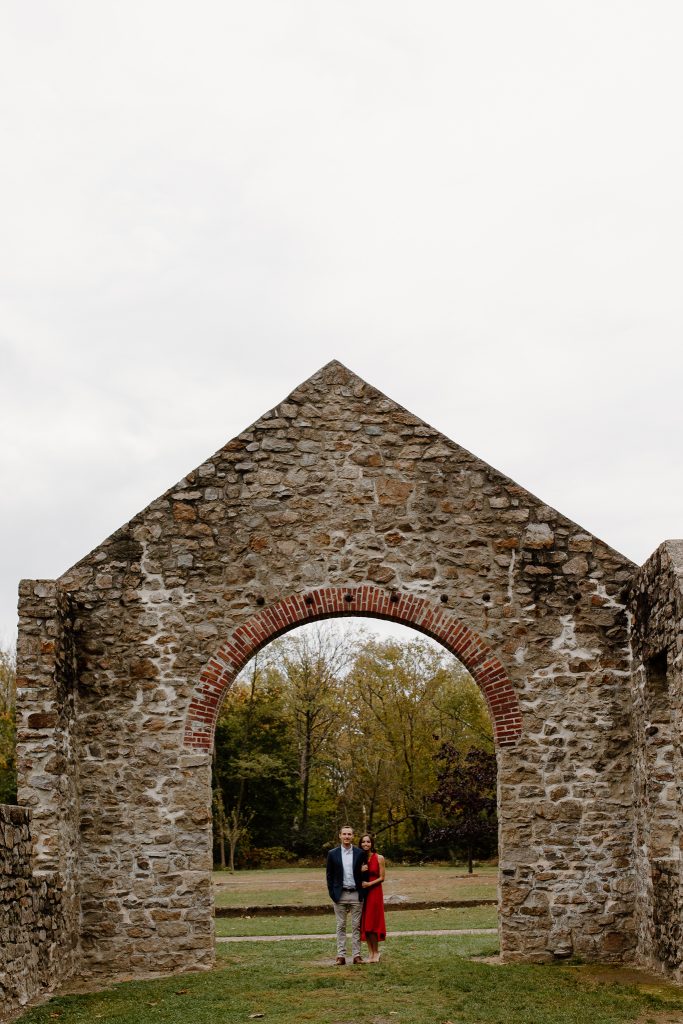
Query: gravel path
{"x": 330, "y": 935}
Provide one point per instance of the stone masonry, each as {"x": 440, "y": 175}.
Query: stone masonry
{"x": 340, "y": 502}
{"x": 40, "y": 870}
{"x": 34, "y": 935}
{"x": 656, "y": 596}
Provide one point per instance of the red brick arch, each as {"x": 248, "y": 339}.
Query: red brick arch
{"x": 329, "y": 602}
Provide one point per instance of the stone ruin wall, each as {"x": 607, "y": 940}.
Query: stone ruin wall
{"x": 33, "y": 931}
{"x": 656, "y": 598}
{"x": 336, "y": 487}
{"x": 40, "y": 898}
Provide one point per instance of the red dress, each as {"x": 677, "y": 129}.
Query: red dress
{"x": 373, "y": 904}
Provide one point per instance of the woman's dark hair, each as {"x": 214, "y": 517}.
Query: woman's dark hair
{"x": 371, "y": 837}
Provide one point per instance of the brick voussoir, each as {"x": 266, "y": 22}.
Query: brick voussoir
{"x": 296, "y": 609}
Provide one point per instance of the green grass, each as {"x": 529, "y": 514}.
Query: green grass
{"x": 419, "y": 981}
{"x": 306, "y": 886}
{"x": 398, "y": 920}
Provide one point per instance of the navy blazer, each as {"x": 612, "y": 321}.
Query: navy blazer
{"x": 335, "y": 872}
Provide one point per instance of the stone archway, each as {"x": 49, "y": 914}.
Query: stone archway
{"x": 330, "y": 602}
{"x": 436, "y": 621}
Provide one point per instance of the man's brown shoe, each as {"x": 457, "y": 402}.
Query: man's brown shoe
{"x": 340, "y": 961}
{"x": 358, "y": 959}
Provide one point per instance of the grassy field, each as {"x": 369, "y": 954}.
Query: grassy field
{"x": 419, "y": 981}
{"x": 306, "y": 886}
{"x": 398, "y": 921}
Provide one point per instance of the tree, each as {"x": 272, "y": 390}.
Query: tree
{"x": 220, "y": 821}
{"x": 254, "y": 769}
{"x": 467, "y": 794}
{"x": 313, "y": 663}
{"x": 402, "y": 694}
{"x": 463, "y": 717}
{"x": 8, "y": 687}
{"x": 236, "y": 827}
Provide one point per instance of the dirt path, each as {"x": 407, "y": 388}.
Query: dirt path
{"x": 330, "y": 935}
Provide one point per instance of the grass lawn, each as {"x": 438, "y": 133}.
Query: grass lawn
{"x": 419, "y": 981}
{"x": 306, "y": 886}
{"x": 398, "y": 921}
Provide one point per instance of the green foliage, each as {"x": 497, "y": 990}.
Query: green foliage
{"x": 467, "y": 795}
{"x": 8, "y": 769}
{"x": 312, "y": 664}
{"x": 404, "y": 700}
{"x": 254, "y": 766}
{"x": 268, "y": 857}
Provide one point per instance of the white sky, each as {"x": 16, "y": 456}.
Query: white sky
{"x": 475, "y": 206}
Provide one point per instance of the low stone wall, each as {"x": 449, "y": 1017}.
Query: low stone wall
{"x": 666, "y": 915}
{"x": 37, "y": 952}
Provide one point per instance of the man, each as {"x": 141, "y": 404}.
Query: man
{"x": 344, "y": 884}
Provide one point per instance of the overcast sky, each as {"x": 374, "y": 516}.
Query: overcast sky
{"x": 477, "y": 207}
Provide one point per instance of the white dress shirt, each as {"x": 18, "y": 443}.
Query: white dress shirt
{"x": 347, "y": 864}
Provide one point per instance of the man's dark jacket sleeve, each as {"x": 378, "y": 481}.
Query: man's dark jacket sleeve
{"x": 334, "y": 885}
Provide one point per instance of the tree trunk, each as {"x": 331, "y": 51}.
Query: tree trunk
{"x": 221, "y": 828}
{"x": 305, "y": 775}
{"x": 220, "y": 808}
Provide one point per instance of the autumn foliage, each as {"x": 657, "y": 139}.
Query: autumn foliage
{"x": 329, "y": 725}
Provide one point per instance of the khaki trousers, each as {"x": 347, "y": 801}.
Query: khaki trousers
{"x": 349, "y": 903}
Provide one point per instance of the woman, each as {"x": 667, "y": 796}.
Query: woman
{"x": 372, "y": 927}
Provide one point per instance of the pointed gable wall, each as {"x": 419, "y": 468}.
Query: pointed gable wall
{"x": 349, "y": 487}
{"x": 335, "y": 490}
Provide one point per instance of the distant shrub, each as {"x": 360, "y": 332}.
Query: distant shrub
{"x": 311, "y": 862}
{"x": 267, "y": 857}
